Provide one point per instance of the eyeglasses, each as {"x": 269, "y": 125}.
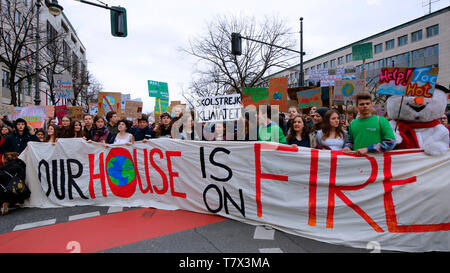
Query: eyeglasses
{"x": 444, "y": 118}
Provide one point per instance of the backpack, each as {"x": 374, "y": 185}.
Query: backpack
{"x": 16, "y": 186}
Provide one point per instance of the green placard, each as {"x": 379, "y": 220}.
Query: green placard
{"x": 158, "y": 89}
{"x": 362, "y": 52}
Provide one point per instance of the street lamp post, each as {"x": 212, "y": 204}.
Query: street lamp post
{"x": 301, "y": 80}
{"x": 55, "y": 10}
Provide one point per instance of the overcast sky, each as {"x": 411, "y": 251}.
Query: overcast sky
{"x": 157, "y": 29}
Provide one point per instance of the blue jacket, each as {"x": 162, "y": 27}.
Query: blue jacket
{"x": 140, "y": 134}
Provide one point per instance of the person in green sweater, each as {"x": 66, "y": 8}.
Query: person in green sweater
{"x": 269, "y": 130}
{"x": 368, "y": 133}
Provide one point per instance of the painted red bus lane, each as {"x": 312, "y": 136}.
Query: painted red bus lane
{"x": 103, "y": 232}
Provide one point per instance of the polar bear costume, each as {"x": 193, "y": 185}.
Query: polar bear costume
{"x": 418, "y": 124}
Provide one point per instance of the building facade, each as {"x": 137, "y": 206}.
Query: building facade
{"x": 424, "y": 41}
{"x": 58, "y": 44}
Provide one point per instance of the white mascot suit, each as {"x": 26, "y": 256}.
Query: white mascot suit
{"x": 418, "y": 124}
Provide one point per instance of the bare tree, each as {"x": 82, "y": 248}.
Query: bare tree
{"x": 90, "y": 93}
{"x": 218, "y": 71}
{"x": 18, "y": 26}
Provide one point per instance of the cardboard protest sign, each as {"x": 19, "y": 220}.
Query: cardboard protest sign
{"x": 278, "y": 90}
{"x": 348, "y": 200}
{"x": 34, "y": 115}
{"x": 161, "y": 106}
{"x": 346, "y": 90}
{"x": 75, "y": 112}
{"x": 133, "y": 109}
{"x": 255, "y": 96}
{"x": 63, "y": 86}
{"x": 125, "y": 97}
{"x": 50, "y": 109}
{"x": 109, "y": 101}
{"x": 218, "y": 108}
{"x": 408, "y": 81}
{"x": 60, "y": 112}
{"x": 93, "y": 109}
{"x": 158, "y": 90}
{"x": 310, "y": 98}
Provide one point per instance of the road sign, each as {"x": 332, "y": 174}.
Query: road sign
{"x": 158, "y": 89}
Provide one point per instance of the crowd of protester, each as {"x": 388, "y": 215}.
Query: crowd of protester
{"x": 355, "y": 129}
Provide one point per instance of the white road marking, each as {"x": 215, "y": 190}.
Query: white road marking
{"x": 270, "y": 250}
{"x": 84, "y": 215}
{"x": 261, "y": 233}
{"x": 35, "y": 224}
{"x": 115, "y": 209}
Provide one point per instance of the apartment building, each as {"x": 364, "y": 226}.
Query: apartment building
{"x": 424, "y": 41}
{"x": 68, "y": 46}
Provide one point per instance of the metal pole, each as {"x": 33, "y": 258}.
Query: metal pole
{"x": 37, "y": 97}
{"x": 301, "y": 76}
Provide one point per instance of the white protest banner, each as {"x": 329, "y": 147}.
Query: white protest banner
{"x": 398, "y": 199}
{"x": 63, "y": 86}
{"x": 219, "y": 108}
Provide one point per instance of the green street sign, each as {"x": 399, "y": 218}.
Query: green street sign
{"x": 158, "y": 89}
{"x": 362, "y": 52}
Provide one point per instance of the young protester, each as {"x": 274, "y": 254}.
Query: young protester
{"x": 40, "y": 133}
{"x": 143, "y": 131}
{"x": 88, "y": 125}
{"x": 269, "y": 130}
{"x": 220, "y": 132}
{"x": 292, "y": 113}
{"x": 164, "y": 127}
{"x": 66, "y": 129}
{"x": 100, "y": 133}
{"x": 5, "y": 131}
{"x": 123, "y": 137}
{"x": 17, "y": 142}
{"x": 368, "y": 133}
{"x": 317, "y": 116}
{"x": 50, "y": 136}
{"x": 331, "y": 136}
{"x": 77, "y": 128}
{"x": 298, "y": 132}
{"x": 111, "y": 119}
{"x": 187, "y": 130}
{"x": 12, "y": 166}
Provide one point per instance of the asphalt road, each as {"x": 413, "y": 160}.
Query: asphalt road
{"x": 140, "y": 230}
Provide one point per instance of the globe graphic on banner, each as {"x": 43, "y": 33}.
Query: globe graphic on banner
{"x": 120, "y": 170}
{"x": 347, "y": 89}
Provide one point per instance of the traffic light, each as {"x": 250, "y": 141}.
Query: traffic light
{"x": 236, "y": 44}
{"x": 119, "y": 22}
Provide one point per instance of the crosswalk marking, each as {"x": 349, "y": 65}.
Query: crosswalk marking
{"x": 270, "y": 250}
{"x": 114, "y": 209}
{"x": 35, "y": 224}
{"x": 262, "y": 233}
{"x": 84, "y": 215}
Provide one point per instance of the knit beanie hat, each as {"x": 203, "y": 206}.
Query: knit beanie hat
{"x": 322, "y": 111}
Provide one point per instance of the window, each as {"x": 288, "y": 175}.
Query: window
{"x": 5, "y": 7}
{"x": 325, "y": 65}
{"x": 17, "y": 18}
{"x": 319, "y": 66}
{"x": 5, "y": 78}
{"x": 432, "y": 31}
{"x": 333, "y": 63}
{"x": 403, "y": 40}
{"x": 390, "y": 44}
{"x": 378, "y": 48}
{"x": 51, "y": 39}
{"x": 416, "y": 36}
{"x": 74, "y": 65}
{"x": 348, "y": 58}
{"x": 341, "y": 60}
